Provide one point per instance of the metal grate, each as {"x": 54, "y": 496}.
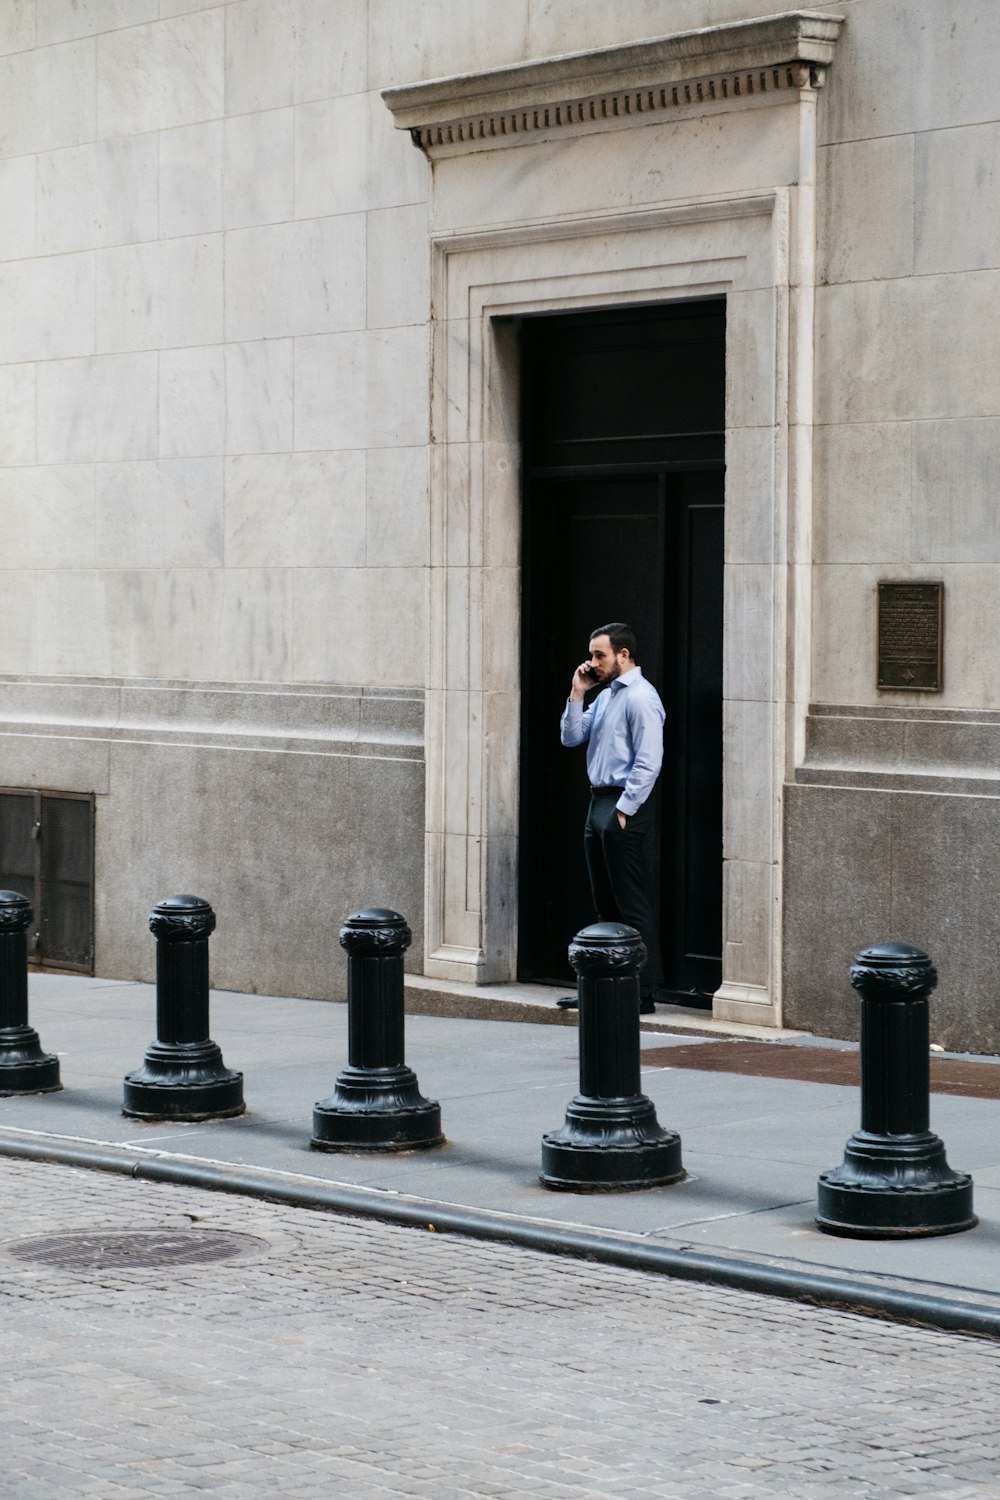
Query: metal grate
{"x": 47, "y": 853}
{"x": 134, "y": 1250}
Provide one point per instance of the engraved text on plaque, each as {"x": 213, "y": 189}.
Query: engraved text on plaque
{"x": 909, "y": 636}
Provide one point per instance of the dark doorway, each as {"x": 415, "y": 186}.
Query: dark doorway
{"x": 623, "y": 423}
{"x": 47, "y": 854}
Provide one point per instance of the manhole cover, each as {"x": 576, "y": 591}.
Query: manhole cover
{"x": 134, "y": 1249}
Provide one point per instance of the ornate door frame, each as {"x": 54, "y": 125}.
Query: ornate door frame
{"x": 755, "y": 246}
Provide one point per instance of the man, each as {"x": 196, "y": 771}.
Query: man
{"x": 623, "y": 732}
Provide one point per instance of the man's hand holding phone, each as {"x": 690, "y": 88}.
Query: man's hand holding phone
{"x": 584, "y": 678}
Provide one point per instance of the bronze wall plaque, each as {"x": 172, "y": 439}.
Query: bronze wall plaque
{"x": 910, "y": 617}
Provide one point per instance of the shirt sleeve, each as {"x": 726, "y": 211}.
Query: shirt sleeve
{"x": 645, "y": 718}
{"x": 575, "y": 724}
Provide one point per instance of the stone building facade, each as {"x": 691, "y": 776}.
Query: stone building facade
{"x": 264, "y": 268}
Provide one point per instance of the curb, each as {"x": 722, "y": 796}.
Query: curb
{"x": 797, "y": 1283}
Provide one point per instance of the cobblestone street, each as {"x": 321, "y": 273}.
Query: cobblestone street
{"x": 363, "y": 1360}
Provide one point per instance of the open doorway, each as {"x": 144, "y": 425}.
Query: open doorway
{"x": 623, "y": 429}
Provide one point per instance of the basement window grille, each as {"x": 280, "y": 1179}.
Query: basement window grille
{"x": 47, "y": 854}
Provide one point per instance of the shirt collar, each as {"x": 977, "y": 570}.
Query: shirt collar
{"x": 623, "y": 682}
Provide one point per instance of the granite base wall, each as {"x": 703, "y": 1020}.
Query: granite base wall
{"x": 287, "y": 809}
{"x": 866, "y": 865}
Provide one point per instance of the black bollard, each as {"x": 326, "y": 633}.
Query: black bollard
{"x": 183, "y": 1076}
{"x": 24, "y": 1067}
{"x": 611, "y": 1141}
{"x": 376, "y": 1104}
{"x": 895, "y": 1181}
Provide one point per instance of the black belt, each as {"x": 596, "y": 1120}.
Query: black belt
{"x": 606, "y": 791}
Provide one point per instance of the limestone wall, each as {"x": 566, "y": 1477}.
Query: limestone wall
{"x": 891, "y": 826}
{"x": 213, "y": 360}
{"x": 215, "y": 433}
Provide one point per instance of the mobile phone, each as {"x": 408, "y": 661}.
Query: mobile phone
{"x": 589, "y": 672}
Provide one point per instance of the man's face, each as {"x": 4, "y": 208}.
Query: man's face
{"x": 608, "y": 664}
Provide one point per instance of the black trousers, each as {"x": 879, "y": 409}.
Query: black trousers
{"x": 617, "y": 863}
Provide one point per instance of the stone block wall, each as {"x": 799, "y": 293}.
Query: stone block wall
{"x": 909, "y": 386}
{"x": 215, "y": 432}
{"x": 890, "y": 827}
{"x": 214, "y": 360}
{"x": 213, "y": 363}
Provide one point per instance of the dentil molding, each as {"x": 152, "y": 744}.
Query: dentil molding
{"x": 629, "y": 84}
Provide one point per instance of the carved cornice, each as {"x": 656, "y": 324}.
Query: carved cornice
{"x": 618, "y": 85}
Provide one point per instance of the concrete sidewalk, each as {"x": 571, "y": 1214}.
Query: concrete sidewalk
{"x": 753, "y": 1147}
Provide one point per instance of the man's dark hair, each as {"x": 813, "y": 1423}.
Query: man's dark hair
{"x": 621, "y": 637}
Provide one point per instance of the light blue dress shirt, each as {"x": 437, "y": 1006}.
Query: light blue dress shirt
{"x": 623, "y": 732}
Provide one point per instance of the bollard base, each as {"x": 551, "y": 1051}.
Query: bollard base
{"x": 894, "y": 1187}
{"x": 24, "y": 1067}
{"x": 607, "y": 1147}
{"x": 408, "y": 1130}
{"x": 600, "y": 1170}
{"x": 376, "y": 1109}
{"x": 222, "y": 1100}
{"x": 183, "y": 1081}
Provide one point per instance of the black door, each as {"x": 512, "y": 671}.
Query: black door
{"x": 623, "y": 423}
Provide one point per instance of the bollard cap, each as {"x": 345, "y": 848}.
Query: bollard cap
{"x": 182, "y": 918}
{"x": 376, "y": 916}
{"x": 15, "y": 911}
{"x": 893, "y": 971}
{"x": 377, "y": 929}
{"x": 888, "y": 955}
{"x": 607, "y": 947}
{"x": 607, "y": 932}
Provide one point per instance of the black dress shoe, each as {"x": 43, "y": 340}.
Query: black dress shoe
{"x": 647, "y": 1005}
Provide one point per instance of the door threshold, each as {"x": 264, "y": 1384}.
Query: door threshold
{"x": 536, "y": 1003}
